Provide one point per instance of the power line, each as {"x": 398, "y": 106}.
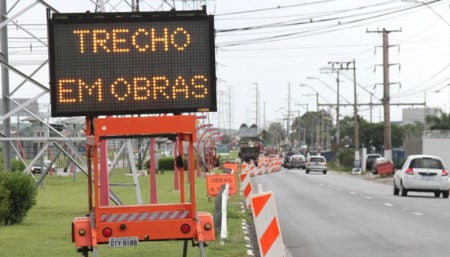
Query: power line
{"x": 314, "y": 31}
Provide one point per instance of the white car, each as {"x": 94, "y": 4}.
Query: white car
{"x": 316, "y": 163}
{"x": 422, "y": 173}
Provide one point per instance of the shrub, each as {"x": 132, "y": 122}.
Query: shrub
{"x": 17, "y": 165}
{"x": 4, "y": 202}
{"x": 22, "y": 195}
{"x": 346, "y": 157}
{"x": 167, "y": 163}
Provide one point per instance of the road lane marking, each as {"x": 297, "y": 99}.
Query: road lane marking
{"x": 388, "y": 204}
{"x": 417, "y": 213}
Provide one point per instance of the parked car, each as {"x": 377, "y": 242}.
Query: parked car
{"x": 381, "y": 161}
{"x": 370, "y": 158}
{"x": 316, "y": 163}
{"x": 296, "y": 161}
{"x": 422, "y": 173}
{"x": 38, "y": 167}
{"x": 286, "y": 158}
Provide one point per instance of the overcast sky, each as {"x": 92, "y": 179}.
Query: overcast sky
{"x": 274, "y": 44}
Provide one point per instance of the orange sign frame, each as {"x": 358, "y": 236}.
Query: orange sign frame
{"x": 146, "y": 222}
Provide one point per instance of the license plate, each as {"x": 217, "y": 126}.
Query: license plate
{"x": 427, "y": 178}
{"x": 118, "y": 242}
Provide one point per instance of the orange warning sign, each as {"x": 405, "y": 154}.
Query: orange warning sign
{"x": 231, "y": 166}
{"x": 214, "y": 183}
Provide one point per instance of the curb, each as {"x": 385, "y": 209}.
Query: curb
{"x": 247, "y": 235}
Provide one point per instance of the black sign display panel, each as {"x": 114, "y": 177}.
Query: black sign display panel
{"x": 131, "y": 63}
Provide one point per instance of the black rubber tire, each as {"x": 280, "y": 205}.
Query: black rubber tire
{"x": 445, "y": 194}
{"x": 403, "y": 191}
{"x": 307, "y": 171}
{"x": 396, "y": 189}
{"x": 437, "y": 194}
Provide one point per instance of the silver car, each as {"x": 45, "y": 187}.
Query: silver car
{"x": 422, "y": 173}
{"x": 316, "y": 163}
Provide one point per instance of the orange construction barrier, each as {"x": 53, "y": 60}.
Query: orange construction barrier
{"x": 260, "y": 168}
{"x": 251, "y": 167}
{"x": 267, "y": 227}
{"x": 246, "y": 188}
{"x": 244, "y": 167}
{"x": 231, "y": 166}
{"x": 385, "y": 168}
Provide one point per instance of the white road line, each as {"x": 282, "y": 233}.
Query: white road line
{"x": 368, "y": 197}
{"x": 417, "y": 213}
{"x": 388, "y": 204}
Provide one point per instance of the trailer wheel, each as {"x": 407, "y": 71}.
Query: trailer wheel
{"x": 84, "y": 251}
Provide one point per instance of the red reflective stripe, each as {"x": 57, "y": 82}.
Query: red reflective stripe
{"x": 243, "y": 176}
{"x": 144, "y": 216}
{"x": 269, "y": 236}
{"x": 247, "y": 190}
{"x": 259, "y": 203}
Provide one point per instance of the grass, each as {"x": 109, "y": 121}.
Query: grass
{"x": 46, "y": 231}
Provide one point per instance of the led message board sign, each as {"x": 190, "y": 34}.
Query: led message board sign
{"x": 131, "y": 63}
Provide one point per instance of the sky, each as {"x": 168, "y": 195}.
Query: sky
{"x": 275, "y": 56}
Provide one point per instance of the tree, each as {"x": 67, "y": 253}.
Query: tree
{"x": 441, "y": 122}
{"x": 371, "y": 135}
{"x": 305, "y": 127}
{"x": 275, "y": 133}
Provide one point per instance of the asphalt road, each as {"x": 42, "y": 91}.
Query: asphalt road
{"x": 343, "y": 215}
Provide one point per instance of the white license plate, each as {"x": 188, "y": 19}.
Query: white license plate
{"x": 118, "y": 242}
{"x": 427, "y": 178}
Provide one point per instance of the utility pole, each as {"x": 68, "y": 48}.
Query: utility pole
{"x": 264, "y": 114}
{"x": 289, "y": 113}
{"x": 352, "y": 66}
{"x": 386, "y": 92}
{"x": 230, "y": 111}
{"x": 338, "y": 126}
{"x": 319, "y": 130}
{"x": 338, "y": 129}
{"x": 256, "y": 105}
{"x": 338, "y": 104}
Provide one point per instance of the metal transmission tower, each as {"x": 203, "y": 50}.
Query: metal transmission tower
{"x": 257, "y": 105}
{"x": 192, "y": 4}
{"x": 25, "y": 75}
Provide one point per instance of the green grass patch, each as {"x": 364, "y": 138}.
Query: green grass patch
{"x": 46, "y": 231}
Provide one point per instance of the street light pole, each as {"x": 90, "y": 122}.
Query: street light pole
{"x": 338, "y": 132}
